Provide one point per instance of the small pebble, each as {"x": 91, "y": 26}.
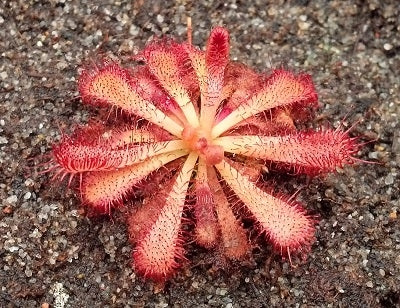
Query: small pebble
{"x": 387, "y": 46}
{"x": 160, "y": 18}
{"x": 272, "y": 11}
{"x": 12, "y": 199}
{"x": 304, "y": 25}
{"x": 397, "y": 260}
{"x": 393, "y": 215}
{"x": 3, "y": 140}
{"x": 27, "y": 195}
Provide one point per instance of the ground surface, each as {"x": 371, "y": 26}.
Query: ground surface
{"x": 49, "y": 253}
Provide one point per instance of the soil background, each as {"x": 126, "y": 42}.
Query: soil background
{"x": 50, "y": 254}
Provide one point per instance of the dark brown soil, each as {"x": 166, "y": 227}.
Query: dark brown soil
{"x": 50, "y": 254}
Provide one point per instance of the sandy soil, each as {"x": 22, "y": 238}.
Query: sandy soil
{"x": 50, "y": 254}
